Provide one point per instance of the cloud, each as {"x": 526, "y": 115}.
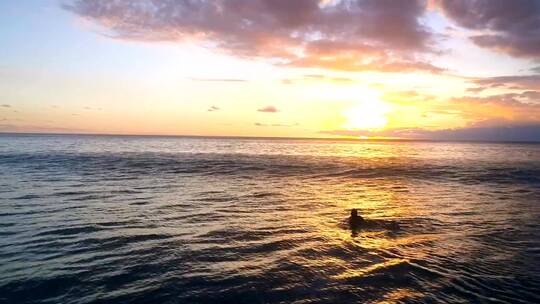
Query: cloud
{"x": 526, "y": 98}
{"x": 494, "y": 110}
{"x": 351, "y": 63}
{"x": 529, "y": 82}
{"x": 319, "y": 77}
{"x": 258, "y": 124}
{"x": 213, "y": 108}
{"x": 476, "y": 90}
{"x": 218, "y": 79}
{"x": 287, "y": 81}
{"x": 327, "y": 78}
{"x": 15, "y": 128}
{"x": 517, "y": 133}
{"x": 268, "y": 109}
{"x": 5, "y": 106}
{"x": 88, "y": 108}
{"x": 382, "y": 35}
{"x": 512, "y": 27}
{"x": 341, "y": 79}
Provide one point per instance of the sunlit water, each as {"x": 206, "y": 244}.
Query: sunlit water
{"x": 87, "y": 219}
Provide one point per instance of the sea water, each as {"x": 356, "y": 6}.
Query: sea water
{"x": 127, "y": 219}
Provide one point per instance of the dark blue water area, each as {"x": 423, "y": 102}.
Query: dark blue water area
{"x": 105, "y": 219}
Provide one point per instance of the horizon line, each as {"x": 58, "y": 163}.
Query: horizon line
{"x": 345, "y": 138}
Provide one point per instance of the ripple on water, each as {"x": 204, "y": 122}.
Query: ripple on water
{"x": 114, "y": 221}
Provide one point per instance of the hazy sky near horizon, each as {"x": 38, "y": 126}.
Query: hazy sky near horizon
{"x": 316, "y": 68}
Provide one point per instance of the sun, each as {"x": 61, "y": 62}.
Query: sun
{"x": 369, "y": 114}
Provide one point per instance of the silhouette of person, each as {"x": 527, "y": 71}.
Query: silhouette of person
{"x": 355, "y": 221}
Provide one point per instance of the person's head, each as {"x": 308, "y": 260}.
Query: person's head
{"x": 355, "y": 216}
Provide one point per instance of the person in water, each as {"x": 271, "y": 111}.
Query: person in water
{"x": 356, "y": 221}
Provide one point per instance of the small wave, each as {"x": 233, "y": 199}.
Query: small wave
{"x": 71, "y": 193}
{"x": 70, "y": 231}
{"x": 27, "y": 197}
{"x": 263, "y": 194}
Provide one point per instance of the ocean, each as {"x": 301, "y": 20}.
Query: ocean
{"x": 141, "y": 219}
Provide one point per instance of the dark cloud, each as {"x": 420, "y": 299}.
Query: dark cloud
{"x": 213, "y": 108}
{"x": 343, "y": 35}
{"x": 476, "y": 90}
{"x": 6, "y": 106}
{"x": 511, "y": 27}
{"x": 528, "y": 82}
{"x": 531, "y": 95}
{"x": 268, "y": 109}
{"x": 518, "y": 133}
{"x": 535, "y": 70}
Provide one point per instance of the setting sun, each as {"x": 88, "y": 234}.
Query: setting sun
{"x": 370, "y": 114}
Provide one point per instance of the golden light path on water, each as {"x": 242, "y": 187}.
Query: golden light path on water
{"x": 375, "y": 202}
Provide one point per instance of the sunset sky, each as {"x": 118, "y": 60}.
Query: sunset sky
{"x": 462, "y": 69}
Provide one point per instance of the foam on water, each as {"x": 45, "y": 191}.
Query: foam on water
{"x": 89, "y": 219}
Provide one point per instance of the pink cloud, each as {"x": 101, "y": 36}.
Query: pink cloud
{"x": 513, "y": 26}
{"x": 268, "y": 109}
{"x": 383, "y": 35}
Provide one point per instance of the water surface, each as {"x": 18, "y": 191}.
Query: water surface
{"x": 105, "y": 219}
